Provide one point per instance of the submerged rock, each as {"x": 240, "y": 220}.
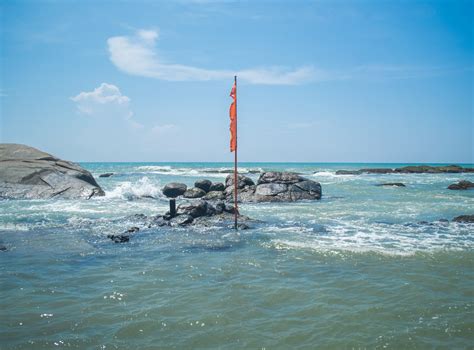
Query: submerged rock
{"x": 174, "y": 189}
{"x": 119, "y": 238}
{"x": 348, "y": 172}
{"x": 461, "y": 185}
{"x": 28, "y": 173}
{"x": 464, "y": 218}
{"x": 394, "y": 184}
{"x": 106, "y": 175}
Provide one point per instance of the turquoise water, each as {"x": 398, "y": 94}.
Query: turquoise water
{"x": 365, "y": 267}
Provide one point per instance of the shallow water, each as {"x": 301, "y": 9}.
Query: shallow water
{"x": 365, "y": 267}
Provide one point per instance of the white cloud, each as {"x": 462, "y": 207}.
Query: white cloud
{"x": 105, "y": 100}
{"x": 160, "y": 129}
{"x": 136, "y": 55}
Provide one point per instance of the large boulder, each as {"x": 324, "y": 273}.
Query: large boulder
{"x": 174, "y": 189}
{"x": 204, "y": 185}
{"x": 279, "y": 177}
{"x": 217, "y": 186}
{"x": 28, "y": 173}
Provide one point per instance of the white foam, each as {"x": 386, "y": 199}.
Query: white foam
{"x": 143, "y": 188}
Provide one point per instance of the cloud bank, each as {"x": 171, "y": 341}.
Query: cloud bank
{"x": 136, "y": 55}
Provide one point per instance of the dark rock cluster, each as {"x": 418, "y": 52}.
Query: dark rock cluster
{"x": 270, "y": 187}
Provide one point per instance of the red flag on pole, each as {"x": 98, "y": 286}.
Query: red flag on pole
{"x": 233, "y": 118}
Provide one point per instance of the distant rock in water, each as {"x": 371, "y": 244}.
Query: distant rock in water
{"x": 28, "y": 173}
{"x": 395, "y": 184}
{"x": 348, "y": 172}
{"x": 461, "y": 185}
{"x": 464, "y": 218}
{"x": 411, "y": 169}
{"x": 106, "y": 175}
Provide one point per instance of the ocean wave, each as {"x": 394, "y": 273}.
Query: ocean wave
{"x": 379, "y": 238}
{"x": 143, "y": 188}
{"x": 195, "y": 172}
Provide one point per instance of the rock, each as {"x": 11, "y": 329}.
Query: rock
{"x": 162, "y": 221}
{"x": 204, "y": 185}
{"x": 28, "y": 173}
{"x": 3, "y": 248}
{"x": 242, "y": 181}
{"x": 217, "y": 186}
{"x": 305, "y": 190}
{"x": 464, "y": 218}
{"x": 181, "y": 220}
{"x": 106, "y": 175}
{"x": 377, "y": 171}
{"x": 194, "y": 193}
{"x": 174, "y": 189}
{"x": 279, "y": 177}
{"x": 396, "y": 184}
{"x": 276, "y": 187}
{"x": 270, "y": 189}
{"x": 461, "y": 185}
{"x": 196, "y": 209}
{"x": 133, "y": 229}
{"x": 214, "y": 195}
{"x": 348, "y": 172}
{"x": 119, "y": 238}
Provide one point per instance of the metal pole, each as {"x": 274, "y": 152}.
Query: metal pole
{"x": 236, "y": 211}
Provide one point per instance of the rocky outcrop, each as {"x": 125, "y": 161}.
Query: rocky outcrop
{"x": 174, "y": 189}
{"x": 270, "y": 187}
{"x": 461, "y": 185}
{"x": 273, "y": 187}
{"x": 464, "y": 218}
{"x": 411, "y": 169}
{"x": 28, "y": 173}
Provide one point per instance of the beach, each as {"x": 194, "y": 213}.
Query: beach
{"x": 366, "y": 266}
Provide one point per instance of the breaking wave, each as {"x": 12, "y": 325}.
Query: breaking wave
{"x": 143, "y": 188}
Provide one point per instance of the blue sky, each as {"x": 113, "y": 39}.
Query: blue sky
{"x": 319, "y": 81}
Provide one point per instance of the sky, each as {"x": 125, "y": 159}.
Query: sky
{"x": 318, "y": 81}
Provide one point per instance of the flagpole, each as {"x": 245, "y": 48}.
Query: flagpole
{"x": 236, "y": 211}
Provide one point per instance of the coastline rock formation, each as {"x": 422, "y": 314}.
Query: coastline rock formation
{"x": 461, "y": 185}
{"x": 270, "y": 187}
{"x": 411, "y": 169}
{"x": 393, "y": 184}
{"x": 464, "y": 218}
{"x": 28, "y": 173}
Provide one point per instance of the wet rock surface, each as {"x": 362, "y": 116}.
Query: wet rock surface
{"x": 28, "y": 173}
{"x": 270, "y": 187}
{"x": 392, "y": 184}
{"x": 174, "y": 189}
{"x": 461, "y": 185}
{"x": 464, "y": 218}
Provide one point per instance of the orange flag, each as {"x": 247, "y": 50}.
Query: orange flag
{"x": 233, "y": 119}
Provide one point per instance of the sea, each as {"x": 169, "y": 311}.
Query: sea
{"x": 365, "y": 267}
